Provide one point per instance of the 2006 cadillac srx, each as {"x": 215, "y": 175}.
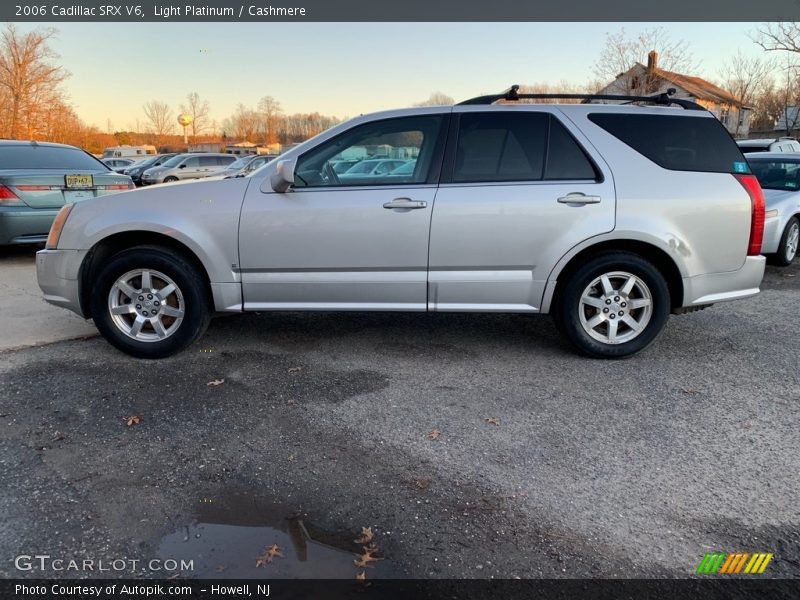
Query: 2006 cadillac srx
{"x": 607, "y": 216}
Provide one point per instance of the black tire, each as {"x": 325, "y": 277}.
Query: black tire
{"x": 785, "y": 255}
{"x": 170, "y": 179}
{"x": 191, "y": 297}
{"x": 648, "y": 280}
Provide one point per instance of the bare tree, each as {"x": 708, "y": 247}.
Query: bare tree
{"x": 269, "y": 111}
{"x": 161, "y": 118}
{"x": 437, "y": 99}
{"x": 198, "y": 109}
{"x": 28, "y": 78}
{"x": 783, "y": 36}
{"x": 243, "y": 124}
{"x": 621, "y": 52}
{"x": 745, "y": 77}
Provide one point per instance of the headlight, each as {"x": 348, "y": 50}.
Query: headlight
{"x": 58, "y": 225}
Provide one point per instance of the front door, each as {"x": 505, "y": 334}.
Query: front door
{"x": 344, "y": 241}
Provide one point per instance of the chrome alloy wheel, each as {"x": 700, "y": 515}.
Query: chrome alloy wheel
{"x": 790, "y": 248}
{"x": 616, "y": 307}
{"x": 146, "y": 305}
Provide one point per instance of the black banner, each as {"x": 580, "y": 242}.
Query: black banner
{"x": 545, "y": 589}
{"x": 408, "y": 10}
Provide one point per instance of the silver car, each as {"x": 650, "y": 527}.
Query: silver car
{"x": 187, "y": 166}
{"x": 779, "y": 176}
{"x": 595, "y": 213}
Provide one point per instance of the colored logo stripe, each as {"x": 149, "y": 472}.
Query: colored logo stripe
{"x": 734, "y": 563}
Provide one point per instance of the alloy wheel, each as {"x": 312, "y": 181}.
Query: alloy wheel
{"x": 146, "y": 305}
{"x": 615, "y": 307}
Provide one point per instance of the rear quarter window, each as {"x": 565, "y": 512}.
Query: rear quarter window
{"x": 674, "y": 142}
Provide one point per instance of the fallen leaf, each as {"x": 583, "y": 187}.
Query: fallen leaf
{"x": 361, "y": 576}
{"x": 493, "y": 420}
{"x": 434, "y": 435}
{"x": 58, "y": 436}
{"x": 215, "y": 382}
{"x": 291, "y": 458}
{"x": 220, "y": 568}
{"x": 366, "y": 536}
{"x": 295, "y": 369}
{"x": 134, "y": 420}
{"x": 689, "y": 392}
{"x": 367, "y": 557}
{"x": 422, "y": 484}
{"x": 268, "y": 555}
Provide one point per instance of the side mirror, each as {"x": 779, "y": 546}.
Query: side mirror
{"x": 283, "y": 178}
{"x": 183, "y": 166}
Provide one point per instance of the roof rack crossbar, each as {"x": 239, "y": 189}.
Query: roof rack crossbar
{"x": 512, "y": 95}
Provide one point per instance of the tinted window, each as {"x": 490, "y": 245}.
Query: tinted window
{"x": 208, "y": 161}
{"x": 395, "y": 139}
{"x": 776, "y": 174}
{"x": 500, "y": 147}
{"x": 192, "y": 162}
{"x": 47, "y": 157}
{"x": 226, "y": 160}
{"x": 565, "y": 158}
{"x": 675, "y": 142}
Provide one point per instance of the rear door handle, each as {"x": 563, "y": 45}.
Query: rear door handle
{"x": 579, "y": 198}
{"x": 407, "y": 203}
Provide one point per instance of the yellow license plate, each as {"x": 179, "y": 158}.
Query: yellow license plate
{"x": 79, "y": 181}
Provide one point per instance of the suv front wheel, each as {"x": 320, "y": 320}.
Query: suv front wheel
{"x": 150, "y": 302}
{"x": 613, "y": 306}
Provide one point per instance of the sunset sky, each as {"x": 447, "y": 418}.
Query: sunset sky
{"x": 340, "y": 69}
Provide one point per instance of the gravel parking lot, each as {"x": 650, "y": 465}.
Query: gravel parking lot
{"x": 471, "y": 445}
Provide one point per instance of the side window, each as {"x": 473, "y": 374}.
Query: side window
{"x": 224, "y": 160}
{"x": 192, "y": 163}
{"x": 565, "y": 158}
{"x": 500, "y": 147}
{"x": 208, "y": 161}
{"x": 376, "y": 150}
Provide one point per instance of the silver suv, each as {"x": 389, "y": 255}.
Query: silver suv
{"x": 609, "y": 217}
{"x": 187, "y": 166}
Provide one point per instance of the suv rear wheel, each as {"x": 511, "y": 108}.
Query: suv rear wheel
{"x": 787, "y": 248}
{"x": 613, "y": 306}
{"x": 150, "y": 302}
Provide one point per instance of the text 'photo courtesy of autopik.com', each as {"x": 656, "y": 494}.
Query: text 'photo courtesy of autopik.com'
{"x": 348, "y": 299}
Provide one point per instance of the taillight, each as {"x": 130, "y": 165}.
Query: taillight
{"x": 7, "y": 196}
{"x": 750, "y": 183}
{"x": 119, "y": 186}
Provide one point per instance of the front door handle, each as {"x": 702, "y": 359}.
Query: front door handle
{"x": 407, "y": 203}
{"x": 578, "y": 198}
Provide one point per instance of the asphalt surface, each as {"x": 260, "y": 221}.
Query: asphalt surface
{"x": 323, "y": 425}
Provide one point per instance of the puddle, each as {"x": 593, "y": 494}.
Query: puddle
{"x": 230, "y": 534}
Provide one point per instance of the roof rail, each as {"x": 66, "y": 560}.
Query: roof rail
{"x": 512, "y": 94}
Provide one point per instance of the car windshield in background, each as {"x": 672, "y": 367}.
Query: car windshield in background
{"x": 174, "y": 161}
{"x": 29, "y": 156}
{"x": 777, "y": 174}
{"x": 239, "y": 163}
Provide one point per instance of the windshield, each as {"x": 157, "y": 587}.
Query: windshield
{"x": 238, "y": 164}
{"x": 47, "y": 157}
{"x": 174, "y": 161}
{"x": 777, "y": 174}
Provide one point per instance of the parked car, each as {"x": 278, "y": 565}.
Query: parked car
{"x": 779, "y": 176}
{"x": 340, "y": 166}
{"x": 783, "y": 144}
{"x": 257, "y": 162}
{"x": 367, "y": 169}
{"x": 595, "y": 213}
{"x": 38, "y": 178}
{"x": 187, "y": 166}
{"x": 117, "y": 164}
{"x": 236, "y": 166}
{"x": 135, "y": 170}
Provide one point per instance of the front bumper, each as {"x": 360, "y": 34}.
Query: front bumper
{"x": 721, "y": 287}
{"x": 25, "y": 225}
{"x": 57, "y": 272}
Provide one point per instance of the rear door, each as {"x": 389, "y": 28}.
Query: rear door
{"x": 520, "y": 187}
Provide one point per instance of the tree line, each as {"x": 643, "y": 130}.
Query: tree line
{"x": 34, "y": 103}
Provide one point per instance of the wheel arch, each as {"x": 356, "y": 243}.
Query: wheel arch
{"x": 665, "y": 264}
{"x": 118, "y": 242}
